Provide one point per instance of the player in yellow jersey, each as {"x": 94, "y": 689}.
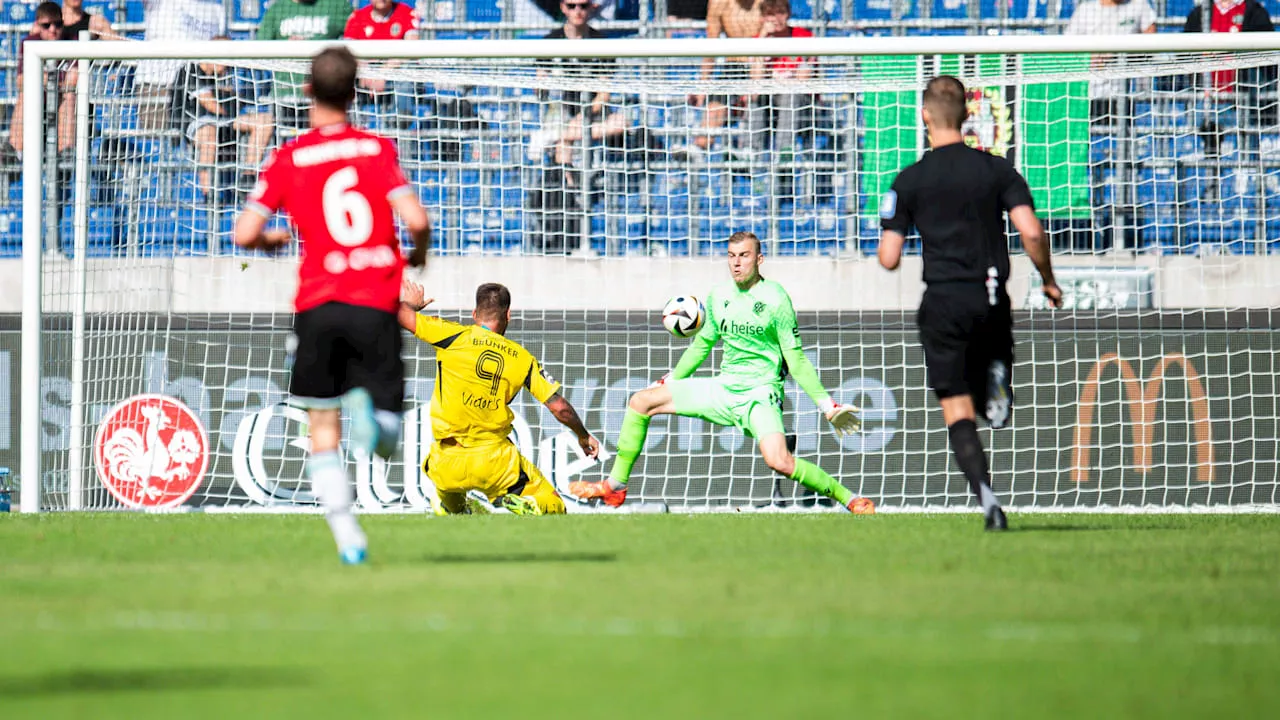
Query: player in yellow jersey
{"x": 479, "y": 372}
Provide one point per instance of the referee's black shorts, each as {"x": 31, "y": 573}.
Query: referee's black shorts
{"x": 341, "y": 347}
{"x": 962, "y": 334}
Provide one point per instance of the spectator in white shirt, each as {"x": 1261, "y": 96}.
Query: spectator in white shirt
{"x": 1110, "y": 17}
{"x": 176, "y": 21}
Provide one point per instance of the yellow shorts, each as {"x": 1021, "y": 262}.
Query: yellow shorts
{"x": 495, "y": 470}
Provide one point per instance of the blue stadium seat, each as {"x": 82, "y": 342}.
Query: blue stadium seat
{"x": 868, "y": 232}
{"x": 186, "y": 191}
{"x": 1212, "y": 226}
{"x": 1157, "y": 187}
{"x": 431, "y": 188}
{"x": 1035, "y": 9}
{"x": 1179, "y": 8}
{"x": 10, "y": 231}
{"x": 936, "y": 32}
{"x": 673, "y": 231}
{"x": 511, "y": 195}
{"x": 251, "y": 10}
{"x": 484, "y": 11}
{"x": 512, "y": 221}
{"x": 758, "y": 223}
{"x": 19, "y": 13}
{"x": 1211, "y": 184}
{"x": 164, "y": 229}
{"x": 880, "y": 10}
{"x": 953, "y": 9}
{"x": 828, "y": 229}
{"x": 669, "y": 205}
{"x": 1164, "y": 146}
{"x": 472, "y": 218}
{"x": 805, "y": 9}
{"x": 470, "y": 196}
{"x": 1170, "y": 116}
{"x": 103, "y": 236}
{"x": 599, "y": 233}
{"x": 795, "y": 237}
{"x": 1158, "y": 227}
{"x": 670, "y": 183}
{"x": 1103, "y": 147}
{"x": 709, "y": 181}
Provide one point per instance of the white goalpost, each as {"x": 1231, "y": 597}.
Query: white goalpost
{"x": 154, "y": 355}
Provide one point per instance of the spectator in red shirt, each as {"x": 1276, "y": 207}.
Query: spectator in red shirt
{"x": 381, "y": 20}
{"x": 779, "y": 110}
{"x": 1249, "y": 89}
{"x": 1230, "y": 16}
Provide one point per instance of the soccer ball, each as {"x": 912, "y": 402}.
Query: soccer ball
{"x": 683, "y": 316}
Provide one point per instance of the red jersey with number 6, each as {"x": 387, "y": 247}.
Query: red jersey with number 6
{"x": 336, "y": 183}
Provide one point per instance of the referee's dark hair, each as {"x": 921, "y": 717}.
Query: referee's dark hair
{"x": 333, "y": 78}
{"x": 493, "y": 300}
{"x": 944, "y": 98}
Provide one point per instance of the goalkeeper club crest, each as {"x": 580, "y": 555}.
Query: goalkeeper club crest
{"x": 151, "y": 451}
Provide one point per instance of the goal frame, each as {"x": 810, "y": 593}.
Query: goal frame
{"x": 37, "y": 52}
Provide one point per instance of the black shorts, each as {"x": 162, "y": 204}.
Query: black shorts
{"x": 962, "y": 335}
{"x": 341, "y": 347}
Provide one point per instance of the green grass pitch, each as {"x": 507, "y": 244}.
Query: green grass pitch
{"x": 739, "y": 616}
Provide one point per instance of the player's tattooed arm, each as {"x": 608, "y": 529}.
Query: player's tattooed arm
{"x": 564, "y": 412}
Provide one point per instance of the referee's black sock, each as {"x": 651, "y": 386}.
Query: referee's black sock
{"x": 967, "y": 447}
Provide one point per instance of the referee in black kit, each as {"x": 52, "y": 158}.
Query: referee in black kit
{"x": 956, "y": 197}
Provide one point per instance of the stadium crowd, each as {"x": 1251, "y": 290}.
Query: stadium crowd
{"x": 211, "y": 125}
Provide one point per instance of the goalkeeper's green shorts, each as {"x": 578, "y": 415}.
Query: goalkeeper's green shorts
{"x": 757, "y": 411}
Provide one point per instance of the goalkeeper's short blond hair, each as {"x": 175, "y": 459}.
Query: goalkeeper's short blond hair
{"x": 745, "y": 236}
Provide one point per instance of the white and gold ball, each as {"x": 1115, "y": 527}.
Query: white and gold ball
{"x": 683, "y": 316}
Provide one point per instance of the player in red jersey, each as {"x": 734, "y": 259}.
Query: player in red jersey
{"x": 340, "y": 187}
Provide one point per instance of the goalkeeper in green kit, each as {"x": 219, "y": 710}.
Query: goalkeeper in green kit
{"x": 754, "y": 318}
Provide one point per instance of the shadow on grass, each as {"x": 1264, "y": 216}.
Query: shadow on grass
{"x": 83, "y": 681}
{"x": 1108, "y": 527}
{"x": 526, "y": 557}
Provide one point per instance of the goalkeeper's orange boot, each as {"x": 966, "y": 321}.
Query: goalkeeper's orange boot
{"x": 861, "y": 506}
{"x": 598, "y": 490}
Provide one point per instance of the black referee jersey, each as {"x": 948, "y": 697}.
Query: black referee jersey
{"x": 956, "y": 197}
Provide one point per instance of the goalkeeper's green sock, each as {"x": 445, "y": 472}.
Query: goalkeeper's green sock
{"x": 817, "y": 480}
{"x": 635, "y": 426}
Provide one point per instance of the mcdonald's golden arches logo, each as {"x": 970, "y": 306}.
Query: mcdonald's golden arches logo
{"x": 1141, "y": 400}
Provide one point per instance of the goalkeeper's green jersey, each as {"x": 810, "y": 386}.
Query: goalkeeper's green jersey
{"x": 761, "y": 340}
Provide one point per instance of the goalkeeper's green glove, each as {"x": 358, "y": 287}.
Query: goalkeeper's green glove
{"x": 843, "y": 418}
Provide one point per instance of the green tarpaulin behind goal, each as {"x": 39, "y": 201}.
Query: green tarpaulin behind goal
{"x": 1042, "y": 126}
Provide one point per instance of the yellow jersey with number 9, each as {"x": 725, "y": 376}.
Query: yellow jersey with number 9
{"x": 478, "y": 374}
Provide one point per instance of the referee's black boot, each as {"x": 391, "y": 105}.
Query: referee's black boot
{"x": 996, "y": 521}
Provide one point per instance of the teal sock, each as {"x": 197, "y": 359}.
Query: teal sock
{"x": 635, "y": 426}
{"x": 817, "y": 480}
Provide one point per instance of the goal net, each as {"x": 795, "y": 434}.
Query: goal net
{"x": 154, "y": 355}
